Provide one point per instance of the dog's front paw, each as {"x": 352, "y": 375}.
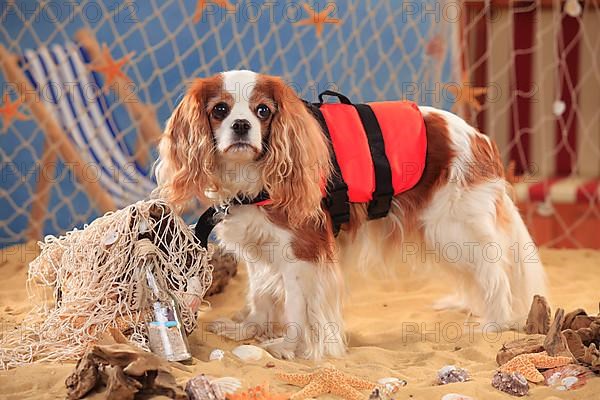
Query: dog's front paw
{"x": 233, "y": 330}
{"x": 280, "y": 348}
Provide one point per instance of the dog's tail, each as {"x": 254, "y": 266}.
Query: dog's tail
{"x": 527, "y": 275}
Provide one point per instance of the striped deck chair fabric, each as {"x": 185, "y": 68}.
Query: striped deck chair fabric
{"x": 73, "y": 95}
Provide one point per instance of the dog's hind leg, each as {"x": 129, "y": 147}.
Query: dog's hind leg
{"x": 462, "y": 227}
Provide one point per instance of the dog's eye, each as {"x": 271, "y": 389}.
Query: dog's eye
{"x": 220, "y": 111}
{"x": 263, "y": 112}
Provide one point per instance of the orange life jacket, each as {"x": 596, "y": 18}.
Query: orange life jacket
{"x": 404, "y": 145}
{"x": 378, "y": 152}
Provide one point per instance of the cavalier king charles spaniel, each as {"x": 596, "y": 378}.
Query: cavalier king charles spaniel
{"x": 238, "y": 133}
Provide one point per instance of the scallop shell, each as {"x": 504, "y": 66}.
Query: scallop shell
{"x": 568, "y": 377}
{"x": 512, "y": 383}
{"x": 216, "y": 355}
{"x": 452, "y": 374}
{"x": 247, "y": 352}
{"x": 199, "y": 388}
{"x": 226, "y": 385}
{"x": 203, "y": 387}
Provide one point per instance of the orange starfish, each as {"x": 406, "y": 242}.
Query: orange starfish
{"x": 528, "y": 364}
{"x": 436, "y": 47}
{"x": 10, "y": 111}
{"x": 465, "y": 94}
{"x": 319, "y": 19}
{"x": 327, "y": 380}
{"x": 201, "y": 5}
{"x": 261, "y": 392}
{"x": 111, "y": 68}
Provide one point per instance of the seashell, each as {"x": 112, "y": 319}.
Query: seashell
{"x": 569, "y": 377}
{"x": 390, "y": 385}
{"x": 216, "y": 355}
{"x": 456, "y": 396}
{"x": 512, "y": 383}
{"x": 203, "y": 387}
{"x": 452, "y": 374}
{"x": 558, "y": 108}
{"x": 573, "y": 8}
{"x": 143, "y": 227}
{"x": 568, "y": 383}
{"x": 199, "y": 388}
{"x": 110, "y": 238}
{"x": 247, "y": 352}
{"x": 226, "y": 385}
{"x": 193, "y": 294}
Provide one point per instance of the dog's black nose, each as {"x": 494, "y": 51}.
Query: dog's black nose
{"x": 241, "y": 127}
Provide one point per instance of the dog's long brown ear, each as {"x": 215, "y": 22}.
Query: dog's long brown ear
{"x": 297, "y": 162}
{"x": 186, "y": 149}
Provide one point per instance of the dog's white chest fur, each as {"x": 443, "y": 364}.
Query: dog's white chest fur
{"x": 248, "y": 233}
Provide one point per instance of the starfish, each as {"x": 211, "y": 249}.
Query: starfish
{"x": 435, "y": 47}
{"x": 319, "y": 19}
{"x": 111, "y": 68}
{"x": 201, "y": 5}
{"x": 466, "y": 94}
{"x": 528, "y": 364}
{"x": 327, "y": 380}
{"x": 10, "y": 110}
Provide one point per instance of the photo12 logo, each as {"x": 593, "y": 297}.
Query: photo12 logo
{"x": 69, "y": 11}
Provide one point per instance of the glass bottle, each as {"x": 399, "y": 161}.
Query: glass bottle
{"x": 166, "y": 333}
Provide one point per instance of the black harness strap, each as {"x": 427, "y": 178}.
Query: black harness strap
{"x": 337, "y": 201}
{"x": 384, "y": 190}
{"x": 205, "y": 225}
{"x": 207, "y": 221}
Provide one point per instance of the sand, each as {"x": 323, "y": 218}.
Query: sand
{"x": 392, "y": 327}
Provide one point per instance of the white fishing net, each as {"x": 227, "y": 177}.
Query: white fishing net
{"x": 92, "y": 279}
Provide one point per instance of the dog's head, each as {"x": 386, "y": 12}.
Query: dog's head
{"x": 240, "y": 132}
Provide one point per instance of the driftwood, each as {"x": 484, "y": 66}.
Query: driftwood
{"x": 556, "y": 343}
{"x": 582, "y": 321}
{"x": 84, "y": 379}
{"x": 125, "y": 370}
{"x": 570, "y": 317}
{"x": 538, "y": 320}
{"x": 575, "y": 335}
{"x": 529, "y": 344}
{"x": 119, "y": 385}
{"x": 592, "y": 358}
{"x": 574, "y": 343}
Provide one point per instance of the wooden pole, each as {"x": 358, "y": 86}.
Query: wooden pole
{"x": 39, "y": 205}
{"x": 143, "y": 114}
{"x": 54, "y": 132}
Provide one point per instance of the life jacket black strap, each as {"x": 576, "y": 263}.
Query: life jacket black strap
{"x": 336, "y": 201}
{"x": 207, "y": 222}
{"x": 379, "y": 206}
